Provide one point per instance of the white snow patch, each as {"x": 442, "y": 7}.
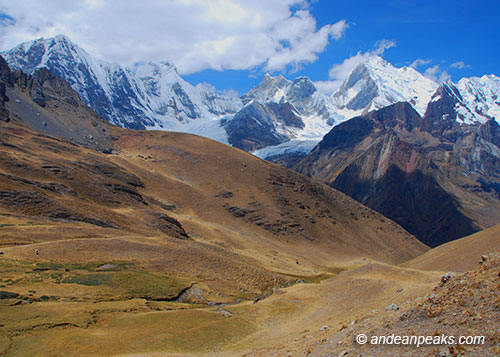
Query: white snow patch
{"x": 292, "y": 146}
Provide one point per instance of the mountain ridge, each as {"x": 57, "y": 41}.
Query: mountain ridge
{"x": 193, "y": 177}
{"x": 153, "y": 95}
{"x": 375, "y": 83}
{"x": 436, "y": 177}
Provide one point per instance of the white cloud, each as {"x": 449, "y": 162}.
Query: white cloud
{"x": 327, "y": 87}
{"x": 460, "y": 65}
{"x": 383, "y": 45}
{"x": 204, "y": 86}
{"x": 337, "y": 30}
{"x": 419, "y": 62}
{"x": 193, "y": 34}
{"x": 436, "y": 74}
{"x": 297, "y": 41}
{"x": 207, "y": 87}
{"x": 338, "y": 73}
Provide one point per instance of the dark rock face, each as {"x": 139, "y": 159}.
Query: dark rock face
{"x": 4, "y": 114}
{"x": 399, "y": 115}
{"x": 285, "y": 113}
{"x": 490, "y": 131}
{"x": 65, "y": 114}
{"x": 3, "y": 93}
{"x": 169, "y": 225}
{"x": 419, "y": 172}
{"x": 347, "y": 134}
{"x": 185, "y": 101}
{"x": 43, "y": 84}
{"x": 36, "y": 87}
{"x": 255, "y": 126}
{"x": 416, "y": 201}
{"x": 440, "y": 116}
{"x": 5, "y": 80}
{"x": 5, "y": 75}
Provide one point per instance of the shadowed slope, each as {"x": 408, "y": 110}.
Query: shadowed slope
{"x": 439, "y": 188}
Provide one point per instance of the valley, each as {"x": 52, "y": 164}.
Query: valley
{"x": 123, "y": 241}
{"x": 114, "y": 246}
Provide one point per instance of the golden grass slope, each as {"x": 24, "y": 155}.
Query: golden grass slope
{"x": 459, "y": 255}
{"x": 219, "y": 196}
{"x": 141, "y": 250}
{"x": 465, "y": 305}
{"x": 58, "y": 316}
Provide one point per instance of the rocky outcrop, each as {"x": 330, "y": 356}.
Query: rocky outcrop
{"x": 169, "y": 225}
{"x": 4, "y": 114}
{"x": 5, "y": 80}
{"x": 441, "y": 116}
{"x": 54, "y": 108}
{"x": 259, "y": 125}
{"x": 5, "y": 74}
{"x": 420, "y": 172}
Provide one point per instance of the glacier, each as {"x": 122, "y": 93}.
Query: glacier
{"x": 276, "y": 116}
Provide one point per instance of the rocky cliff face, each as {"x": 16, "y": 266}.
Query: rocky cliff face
{"x": 5, "y": 80}
{"x": 258, "y": 125}
{"x": 49, "y": 104}
{"x": 421, "y": 172}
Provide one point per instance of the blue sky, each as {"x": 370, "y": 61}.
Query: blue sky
{"x": 464, "y": 33}
{"x": 231, "y": 43}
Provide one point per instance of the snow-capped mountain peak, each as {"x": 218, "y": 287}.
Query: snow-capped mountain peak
{"x": 376, "y": 83}
{"x": 482, "y": 96}
{"x": 152, "y": 95}
{"x": 471, "y": 101}
{"x": 270, "y": 89}
{"x": 148, "y": 95}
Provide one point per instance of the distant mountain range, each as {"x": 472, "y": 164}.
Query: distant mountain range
{"x": 149, "y": 95}
{"x": 279, "y": 115}
{"x": 423, "y": 154}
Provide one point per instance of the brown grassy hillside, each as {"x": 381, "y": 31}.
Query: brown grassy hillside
{"x": 460, "y": 255}
{"x": 144, "y": 242}
{"x": 156, "y": 234}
